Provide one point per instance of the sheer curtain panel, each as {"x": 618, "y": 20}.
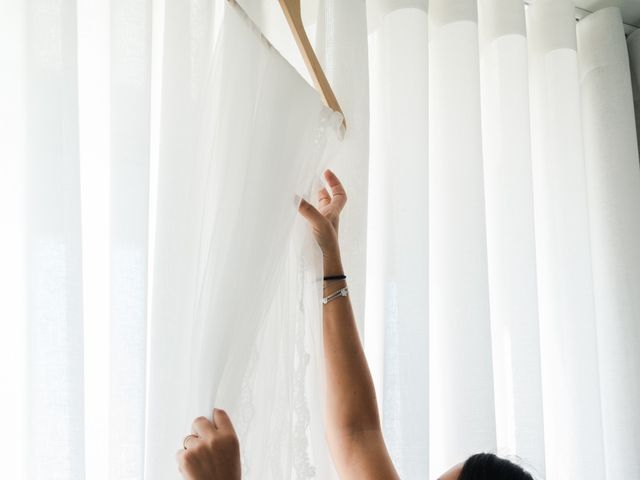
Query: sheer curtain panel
{"x": 532, "y": 236}
{"x": 75, "y": 117}
{"x": 613, "y": 186}
{"x": 397, "y": 307}
{"x": 633, "y": 43}
{"x": 42, "y": 325}
{"x": 342, "y": 46}
{"x": 462, "y": 418}
{"x": 153, "y": 264}
{"x": 236, "y": 320}
{"x": 510, "y": 230}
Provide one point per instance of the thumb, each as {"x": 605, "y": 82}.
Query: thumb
{"x": 310, "y": 212}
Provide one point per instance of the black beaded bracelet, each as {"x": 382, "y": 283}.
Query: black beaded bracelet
{"x": 335, "y": 277}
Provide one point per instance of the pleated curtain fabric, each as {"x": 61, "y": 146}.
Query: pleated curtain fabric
{"x": 506, "y": 136}
{"x": 490, "y": 239}
{"x": 341, "y": 44}
{"x": 397, "y": 303}
{"x": 613, "y": 185}
{"x": 633, "y": 43}
{"x": 461, "y": 407}
{"x": 532, "y": 174}
{"x": 49, "y": 311}
{"x": 571, "y": 394}
{"x": 189, "y": 35}
{"x": 75, "y": 164}
{"x": 240, "y": 292}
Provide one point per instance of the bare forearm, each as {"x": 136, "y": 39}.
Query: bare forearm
{"x": 351, "y": 399}
{"x": 353, "y": 422}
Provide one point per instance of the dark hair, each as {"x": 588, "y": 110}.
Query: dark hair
{"x": 487, "y": 466}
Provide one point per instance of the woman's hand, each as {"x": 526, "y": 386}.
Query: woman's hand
{"x": 212, "y": 452}
{"x": 325, "y": 219}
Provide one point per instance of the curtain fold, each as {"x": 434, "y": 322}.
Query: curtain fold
{"x": 613, "y": 187}
{"x": 341, "y": 45}
{"x": 52, "y": 263}
{"x": 570, "y": 373}
{"x": 14, "y": 414}
{"x": 235, "y": 309}
{"x": 510, "y": 231}
{"x": 397, "y": 306}
{"x": 188, "y": 35}
{"x": 462, "y": 419}
{"x": 129, "y": 213}
{"x": 633, "y": 44}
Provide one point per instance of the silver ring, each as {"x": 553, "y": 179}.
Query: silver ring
{"x": 184, "y": 442}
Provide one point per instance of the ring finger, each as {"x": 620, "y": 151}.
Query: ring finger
{"x": 189, "y": 440}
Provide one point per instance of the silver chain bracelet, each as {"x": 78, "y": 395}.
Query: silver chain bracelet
{"x": 343, "y": 292}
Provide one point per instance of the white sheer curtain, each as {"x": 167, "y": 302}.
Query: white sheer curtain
{"x": 510, "y": 230}
{"x": 461, "y": 395}
{"x": 533, "y": 182}
{"x": 566, "y": 299}
{"x": 342, "y": 46}
{"x": 74, "y": 156}
{"x": 634, "y": 60}
{"x": 492, "y": 213}
{"x": 613, "y": 184}
{"x": 88, "y": 104}
{"x": 396, "y": 328}
{"x": 234, "y": 325}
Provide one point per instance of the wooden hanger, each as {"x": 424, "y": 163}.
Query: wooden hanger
{"x": 292, "y": 12}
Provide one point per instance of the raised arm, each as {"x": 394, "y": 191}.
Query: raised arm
{"x": 353, "y": 422}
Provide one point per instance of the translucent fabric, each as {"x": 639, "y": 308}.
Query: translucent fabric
{"x": 74, "y": 161}
{"x": 239, "y": 293}
{"x": 613, "y": 185}
{"x": 153, "y": 266}
{"x": 338, "y": 31}
{"x": 341, "y": 45}
{"x": 397, "y": 309}
{"x": 187, "y": 32}
{"x": 633, "y": 43}
{"x": 510, "y": 231}
{"x": 534, "y": 133}
{"x": 462, "y": 418}
{"x": 569, "y": 345}
{"x": 14, "y": 414}
{"x": 42, "y": 322}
